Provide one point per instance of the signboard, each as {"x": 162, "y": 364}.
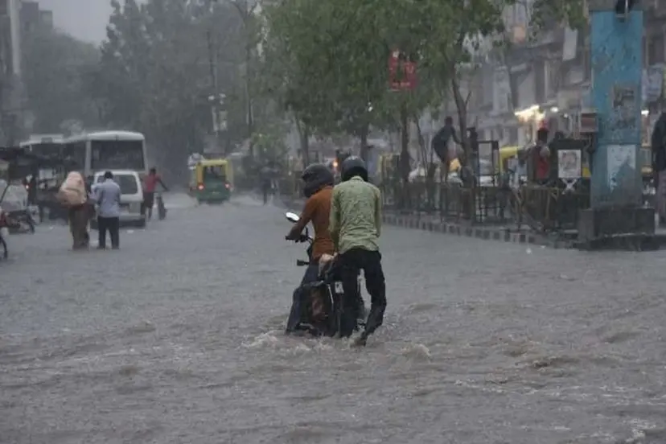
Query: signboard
{"x": 402, "y": 72}
{"x": 569, "y": 164}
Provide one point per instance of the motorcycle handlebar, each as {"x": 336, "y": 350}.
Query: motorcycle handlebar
{"x": 301, "y": 263}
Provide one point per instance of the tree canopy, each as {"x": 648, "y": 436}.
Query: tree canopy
{"x": 161, "y": 63}
{"x": 327, "y": 59}
{"x": 56, "y": 68}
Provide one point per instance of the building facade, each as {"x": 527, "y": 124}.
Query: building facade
{"x": 546, "y": 81}
{"x": 11, "y": 90}
{"x": 17, "y": 17}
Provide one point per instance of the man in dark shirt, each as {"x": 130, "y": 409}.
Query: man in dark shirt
{"x": 441, "y": 142}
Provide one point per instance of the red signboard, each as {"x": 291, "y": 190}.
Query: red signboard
{"x": 402, "y": 72}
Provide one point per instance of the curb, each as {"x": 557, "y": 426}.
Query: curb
{"x": 484, "y": 233}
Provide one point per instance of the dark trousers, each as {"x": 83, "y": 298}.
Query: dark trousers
{"x": 78, "y": 225}
{"x": 266, "y": 189}
{"x": 351, "y": 262}
{"x": 311, "y": 275}
{"x": 112, "y": 225}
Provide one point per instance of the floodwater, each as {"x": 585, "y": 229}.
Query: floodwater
{"x": 177, "y": 338}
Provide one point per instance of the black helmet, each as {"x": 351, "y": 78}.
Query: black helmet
{"x": 353, "y": 166}
{"x": 316, "y": 177}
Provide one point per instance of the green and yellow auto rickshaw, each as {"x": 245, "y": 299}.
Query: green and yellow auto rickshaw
{"x": 212, "y": 181}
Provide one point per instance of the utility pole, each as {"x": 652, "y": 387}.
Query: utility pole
{"x": 215, "y": 99}
{"x": 245, "y": 12}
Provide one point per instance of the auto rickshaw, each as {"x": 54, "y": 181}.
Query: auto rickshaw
{"x": 212, "y": 181}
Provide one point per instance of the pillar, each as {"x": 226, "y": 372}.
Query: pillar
{"x": 616, "y": 186}
{"x": 617, "y": 67}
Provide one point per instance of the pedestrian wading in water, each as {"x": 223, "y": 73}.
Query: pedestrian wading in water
{"x": 355, "y": 227}
{"x": 107, "y": 195}
{"x": 73, "y": 195}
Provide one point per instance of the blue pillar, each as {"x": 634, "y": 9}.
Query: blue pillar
{"x": 617, "y": 66}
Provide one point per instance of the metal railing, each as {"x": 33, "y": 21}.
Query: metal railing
{"x": 537, "y": 208}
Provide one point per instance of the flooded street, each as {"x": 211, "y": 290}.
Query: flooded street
{"x": 177, "y": 338}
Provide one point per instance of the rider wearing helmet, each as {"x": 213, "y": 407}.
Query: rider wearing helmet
{"x": 317, "y": 188}
{"x": 355, "y": 227}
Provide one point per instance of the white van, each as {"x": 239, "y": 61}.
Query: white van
{"x": 131, "y": 197}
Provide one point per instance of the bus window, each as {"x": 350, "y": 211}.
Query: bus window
{"x": 74, "y": 155}
{"x": 46, "y": 149}
{"x": 117, "y": 155}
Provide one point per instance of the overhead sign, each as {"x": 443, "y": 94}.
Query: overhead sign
{"x": 402, "y": 72}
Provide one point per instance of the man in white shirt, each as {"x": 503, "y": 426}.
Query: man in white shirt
{"x": 107, "y": 195}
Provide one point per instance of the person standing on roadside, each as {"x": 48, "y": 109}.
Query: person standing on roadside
{"x": 446, "y": 144}
{"x": 107, "y": 195}
{"x": 658, "y": 143}
{"x": 266, "y": 179}
{"x": 355, "y": 227}
{"x": 149, "y": 187}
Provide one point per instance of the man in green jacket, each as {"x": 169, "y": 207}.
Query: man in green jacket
{"x": 355, "y": 227}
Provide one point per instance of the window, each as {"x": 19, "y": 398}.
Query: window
{"x": 655, "y": 50}
{"x": 117, "y": 155}
{"x": 214, "y": 173}
{"x": 127, "y": 183}
{"x": 46, "y": 149}
{"x": 74, "y": 155}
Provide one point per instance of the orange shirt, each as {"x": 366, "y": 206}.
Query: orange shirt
{"x": 317, "y": 210}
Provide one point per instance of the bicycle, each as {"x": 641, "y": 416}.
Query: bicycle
{"x": 161, "y": 209}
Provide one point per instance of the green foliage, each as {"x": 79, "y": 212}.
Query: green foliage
{"x": 269, "y": 145}
{"x": 156, "y": 72}
{"x": 56, "y": 68}
{"x": 327, "y": 60}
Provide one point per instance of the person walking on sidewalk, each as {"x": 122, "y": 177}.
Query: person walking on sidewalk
{"x": 107, "y": 195}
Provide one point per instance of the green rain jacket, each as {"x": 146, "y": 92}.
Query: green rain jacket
{"x": 356, "y": 215}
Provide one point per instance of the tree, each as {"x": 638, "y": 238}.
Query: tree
{"x": 328, "y": 68}
{"x": 159, "y": 68}
{"x": 56, "y": 67}
{"x": 289, "y": 82}
{"x": 328, "y": 58}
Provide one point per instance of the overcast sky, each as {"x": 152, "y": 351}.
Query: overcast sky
{"x": 84, "y": 19}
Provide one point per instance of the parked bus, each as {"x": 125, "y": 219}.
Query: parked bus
{"x": 107, "y": 150}
{"x": 45, "y": 145}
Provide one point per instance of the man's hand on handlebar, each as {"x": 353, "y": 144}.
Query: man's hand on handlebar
{"x": 299, "y": 238}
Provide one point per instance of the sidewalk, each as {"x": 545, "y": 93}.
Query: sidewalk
{"x": 493, "y": 233}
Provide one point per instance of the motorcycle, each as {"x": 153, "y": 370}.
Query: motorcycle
{"x": 4, "y": 233}
{"x": 321, "y": 312}
{"x": 21, "y": 221}
{"x": 18, "y": 215}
